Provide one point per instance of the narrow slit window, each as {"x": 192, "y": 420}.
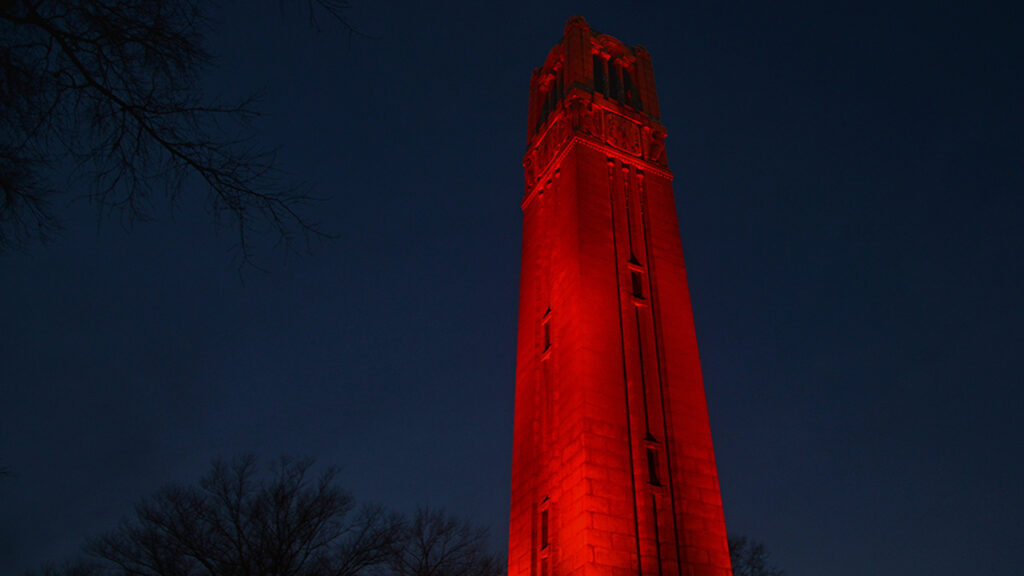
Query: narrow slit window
{"x": 632, "y": 92}
{"x": 599, "y": 84}
{"x": 638, "y": 284}
{"x": 543, "y": 529}
{"x": 613, "y": 81}
{"x": 652, "y": 467}
{"x": 547, "y": 335}
{"x": 627, "y": 89}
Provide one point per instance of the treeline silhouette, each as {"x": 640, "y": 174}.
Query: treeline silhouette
{"x": 283, "y": 519}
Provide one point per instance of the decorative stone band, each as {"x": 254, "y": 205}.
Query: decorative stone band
{"x": 544, "y": 177}
{"x": 637, "y": 139}
{"x": 622, "y": 133}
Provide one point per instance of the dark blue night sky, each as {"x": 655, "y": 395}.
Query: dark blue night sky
{"x": 850, "y": 187}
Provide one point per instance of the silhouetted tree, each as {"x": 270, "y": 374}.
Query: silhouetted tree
{"x": 749, "y": 558}
{"x": 241, "y": 519}
{"x": 284, "y": 520}
{"x": 113, "y": 86}
{"x": 437, "y": 544}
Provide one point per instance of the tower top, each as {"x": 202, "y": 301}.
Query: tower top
{"x": 593, "y": 87}
{"x": 594, "y": 64}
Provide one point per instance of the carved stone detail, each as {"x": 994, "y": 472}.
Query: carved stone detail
{"x": 591, "y": 121}
{"x": 655, "y": 145}
{"x": 578, "y": 116}
{"x": 622, "y": 133}
{"x": 548, "y": 146}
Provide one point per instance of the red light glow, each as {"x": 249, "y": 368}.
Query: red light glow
{"x": 613, "y": 466}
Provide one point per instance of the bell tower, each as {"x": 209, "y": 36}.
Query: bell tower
{"x": 613, "y": 470}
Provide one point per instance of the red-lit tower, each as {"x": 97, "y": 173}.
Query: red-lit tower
{"x": 613, "y": 471}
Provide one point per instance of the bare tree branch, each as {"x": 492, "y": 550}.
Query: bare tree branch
{"x": 439, "y": 545}
{"x": 241, "y": 519}
{"x": 113, "y": 86}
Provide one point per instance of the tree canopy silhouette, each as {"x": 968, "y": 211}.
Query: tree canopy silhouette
{"x": 436, "y": 544}
{"x": 281, "y": 520}
{"x": 749, "y": 558}
{"x": 113, "y": 86}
